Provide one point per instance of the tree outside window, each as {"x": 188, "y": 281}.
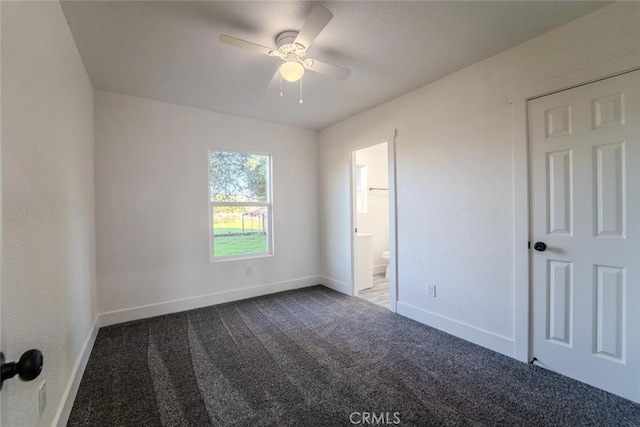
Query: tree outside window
{"x": 240, "y": 203}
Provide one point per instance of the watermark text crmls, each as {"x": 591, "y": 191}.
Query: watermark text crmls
{"x": 375, "y": 418}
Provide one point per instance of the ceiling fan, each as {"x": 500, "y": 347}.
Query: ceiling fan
{"x": 291, "y": 49}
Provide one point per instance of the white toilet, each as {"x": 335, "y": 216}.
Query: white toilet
{"x": 385, "y": 256}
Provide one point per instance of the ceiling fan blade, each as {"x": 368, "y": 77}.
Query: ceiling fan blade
{"x": 232, "y": 41}
{"x": 275, "y": 80}
{"x": 318, "y": 19}
{"x": 328, "y": 69}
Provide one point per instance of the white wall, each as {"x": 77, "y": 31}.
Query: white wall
{"x": 376, "y": 220}
{"x": 455, "y": 169}
{"x": 152, "y": 207}
{"x": 48, "y": 244}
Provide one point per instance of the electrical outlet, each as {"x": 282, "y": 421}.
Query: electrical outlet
{"x": 248, "y": 271}
{"x": 42, "y": 397}
{"x": 431, "y": 290}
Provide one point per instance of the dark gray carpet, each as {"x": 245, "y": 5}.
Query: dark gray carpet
{"x": 313, "y": 357}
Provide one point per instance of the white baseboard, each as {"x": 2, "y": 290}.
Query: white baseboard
{"x": 336, "y": 285}
{"x": 69, "y": 396}
{"x": 380, "y": 269}
{"x": 490, "y": 340}
{"x": 175, "y": 306}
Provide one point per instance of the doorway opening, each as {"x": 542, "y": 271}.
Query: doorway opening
{"x": 373, "y": 237}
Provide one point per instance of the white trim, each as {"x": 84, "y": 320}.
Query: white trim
{"x": 393, "y": 222}
{"x": 268, "y": 204}
{"x": 241, "y": 257}
{"x": 175, "y": 306}
{"x": 518, "y": 99}
{"x": 379, "y": 269}
{"x": 522, "y": 300}
{"x": 4, "y": 404}
{"x": 353, "y": 192}
{"x": 336, "y": 285}
{"x": 481, "y": 337}
{"x": 232, "y": 204}
{"x": 392, "y": 147}
{"x": 69, "y": 396}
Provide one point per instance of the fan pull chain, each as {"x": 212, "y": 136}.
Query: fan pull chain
{"x": 300, "y": 91}
{"x": 281, "y": 87}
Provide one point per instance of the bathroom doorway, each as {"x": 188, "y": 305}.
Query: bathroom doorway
{"x": 373, "y": 210}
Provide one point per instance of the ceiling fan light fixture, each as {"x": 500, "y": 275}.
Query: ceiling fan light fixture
{"x": 291, "y": 71}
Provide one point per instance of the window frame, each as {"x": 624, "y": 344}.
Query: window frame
{"x": 361, "y": 190}
{"x": 268, "y": 205}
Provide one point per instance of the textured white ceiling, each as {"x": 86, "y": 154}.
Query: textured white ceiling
{"x": 169, "y": 50}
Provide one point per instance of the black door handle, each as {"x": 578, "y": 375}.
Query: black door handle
{"x": 27, "y": 368}
{"x": 540, "y": 246}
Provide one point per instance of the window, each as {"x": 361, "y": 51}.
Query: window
{"x": 240, "y": 204}
{"x": 361, "y": 188}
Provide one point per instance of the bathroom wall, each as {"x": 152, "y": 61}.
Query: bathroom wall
{"x": 375, "y": 220}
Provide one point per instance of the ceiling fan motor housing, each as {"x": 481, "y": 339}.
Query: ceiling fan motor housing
{"x": 285, "y": 38}
{"x": 288, "y": 50}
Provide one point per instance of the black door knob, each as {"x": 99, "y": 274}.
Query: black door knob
{"x": 27, "y": 368}
{"x": 540, "y": 246}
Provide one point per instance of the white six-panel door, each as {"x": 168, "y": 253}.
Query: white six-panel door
{"x": 585, "y": 203}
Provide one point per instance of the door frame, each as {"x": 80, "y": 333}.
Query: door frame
{"x": 4, "y": 404}
{"x": 393, "y": 222}
{"x": 523, "y": 309}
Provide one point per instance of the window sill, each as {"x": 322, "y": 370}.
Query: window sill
{"x": 214, "y": 260}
